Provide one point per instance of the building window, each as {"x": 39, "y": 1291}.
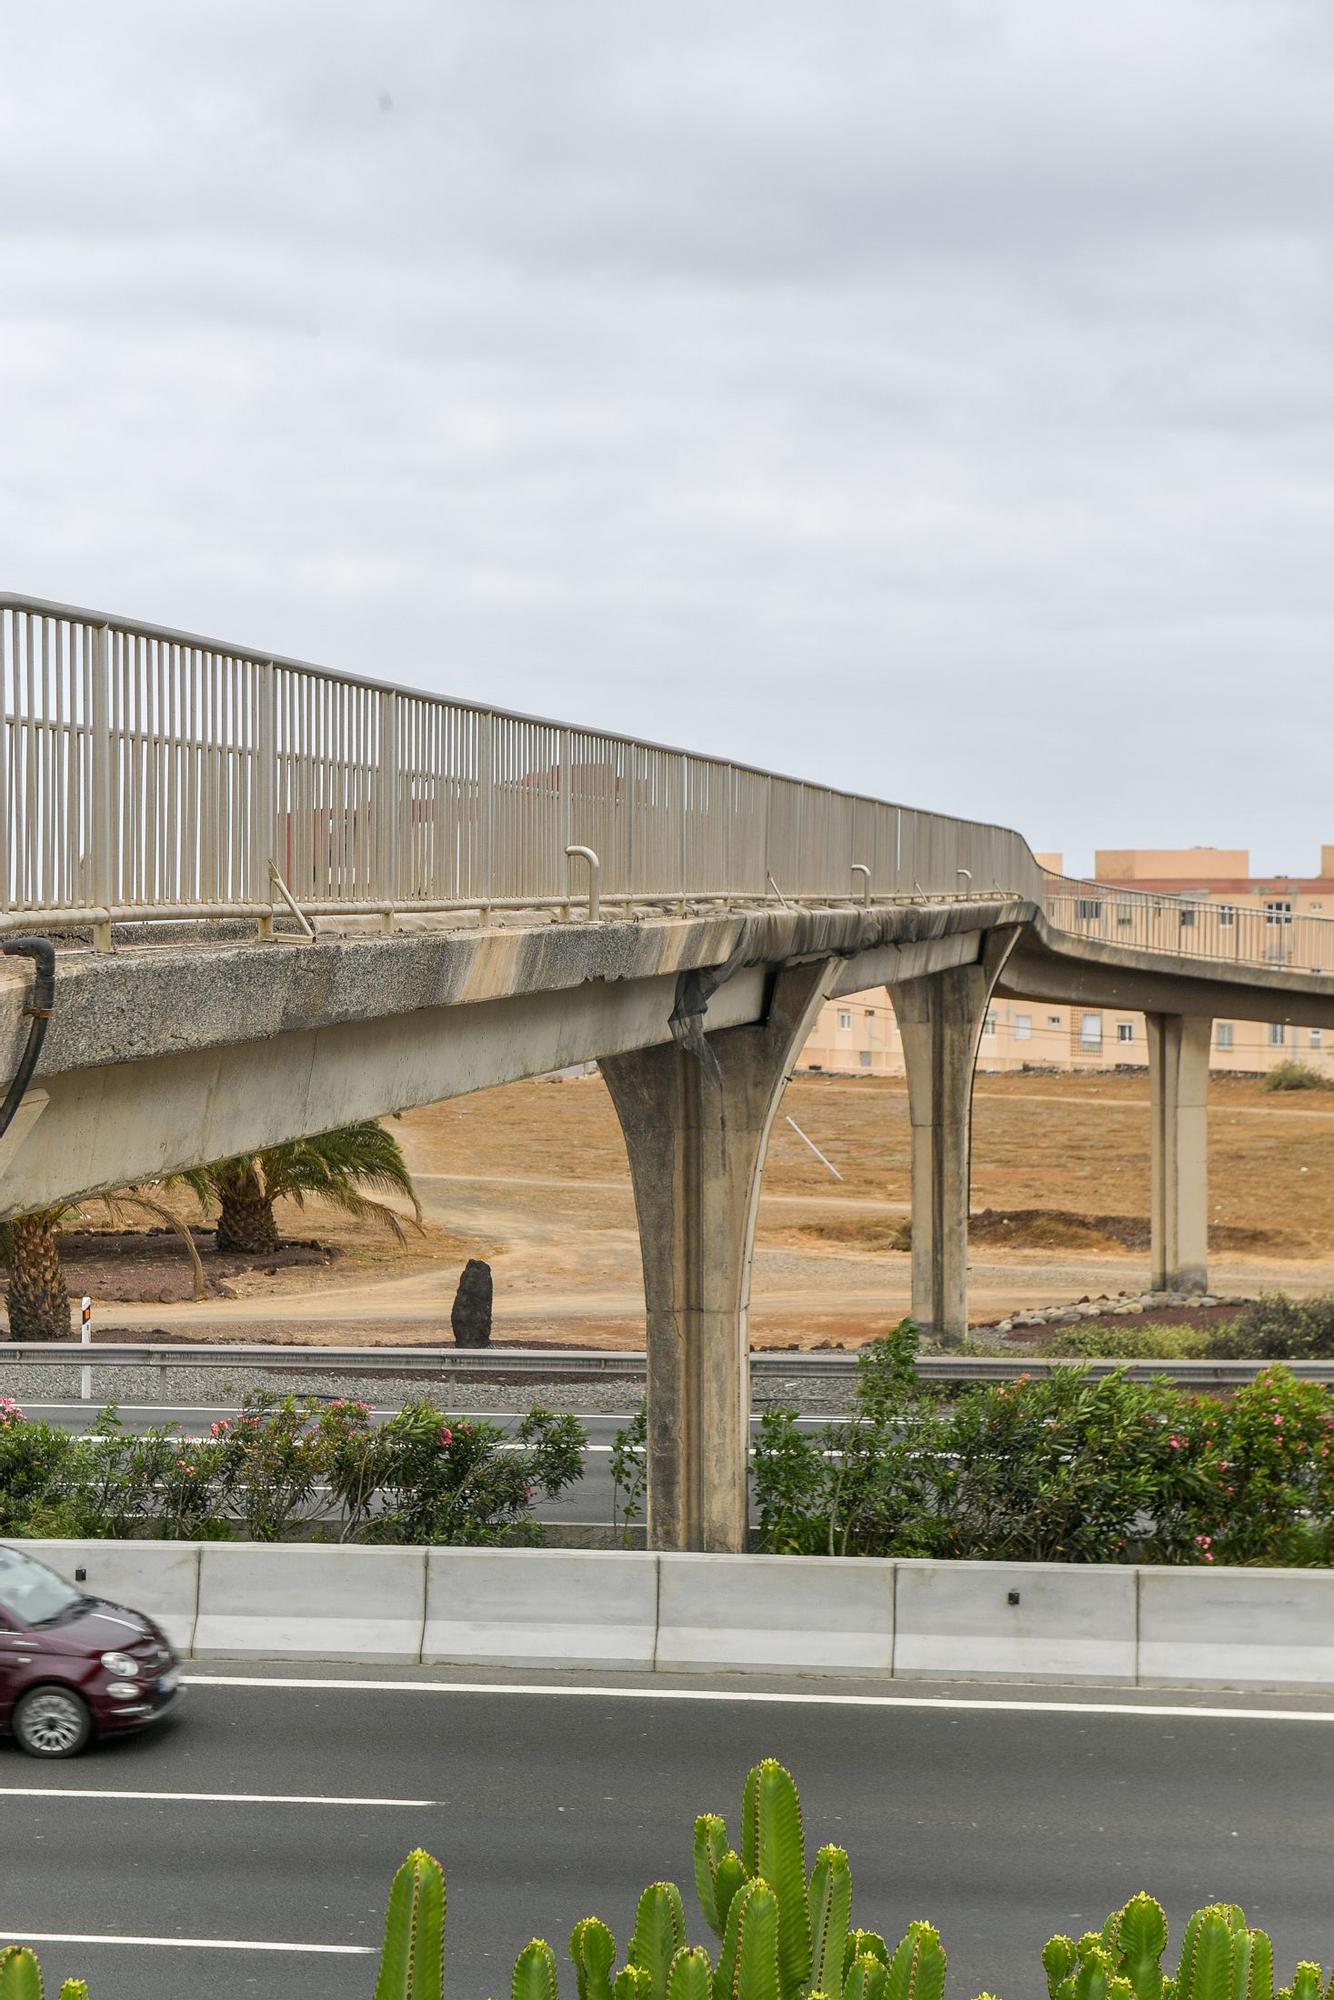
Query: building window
{"x": 1023, "y": 1027}
{"x": 1227, "y": 916}
{"x": 870, "y": 1013}
{"x": 1125, "y": 913}
{"x": 1223, "y": 1038}
{"x": 1317, "y": 906}
{"x": 844, "y": 1017}
{"x": 1090, "y": 1031}
{"x": 1125, "y": 1031}
{"x": 1278, "y": 1034}
{"x": 1187, "y": 919}
{"x": 864, "y": 1056}
{"x": 1278, "y": 911}
{"x": 1088, "y": 909}
{"x": 1317, "y": 1038}
{"x": 1053, "y": 1020}
{"x": 989, "y": 1025}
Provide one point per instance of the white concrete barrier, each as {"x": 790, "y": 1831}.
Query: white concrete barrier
{"x": 1238, "y": 1627}
{"x": 541, "y": 1607}
{"x": 776, "y": 1614}
{"x": 161, "y": 1578}
{"x": 316, "y": 1602}
{"x": 762, "y": 1614}
{"x": 1015, "y": 1621}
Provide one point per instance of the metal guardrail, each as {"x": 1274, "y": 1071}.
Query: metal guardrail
{"x": 575, "y": 1364}
{"x": 151, "y": 773}
{"x": 1191, "y": 926}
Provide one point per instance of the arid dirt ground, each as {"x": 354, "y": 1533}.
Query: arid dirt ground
{"x": 533, "y": 1177}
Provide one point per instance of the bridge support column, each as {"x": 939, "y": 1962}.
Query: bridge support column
{"x": 696, "y": 1114}
{"x": 940, "y": 1019}
{"x": 1178, "y": 1092}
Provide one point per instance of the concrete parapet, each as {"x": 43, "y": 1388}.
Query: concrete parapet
{"x": 1015, "y": 1621}
{"x": 541, "y": 1607}
{"x": 314, "y": 1602}
{"x": 1237, "y": 1628}
{"x": 776, "y": 1614}
{"x": 159, "y": 1578}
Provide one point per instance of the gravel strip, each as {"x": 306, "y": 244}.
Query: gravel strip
{"x": 210, "y": 1386}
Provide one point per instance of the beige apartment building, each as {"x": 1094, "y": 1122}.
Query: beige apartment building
{"x": 858, "y": 1036}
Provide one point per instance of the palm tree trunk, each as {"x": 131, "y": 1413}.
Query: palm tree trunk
{"x": 246, "y": 1221}
{"x": 38, "y": 1298}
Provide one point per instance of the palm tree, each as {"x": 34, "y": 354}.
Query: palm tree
{"x": 331, "y": 1166}
{"x": 37, "y": 1296}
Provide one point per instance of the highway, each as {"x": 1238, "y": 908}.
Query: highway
{"x": 1001, "y": 1823}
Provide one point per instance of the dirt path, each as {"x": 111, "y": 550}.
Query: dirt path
{"x": 533, "y": 1178}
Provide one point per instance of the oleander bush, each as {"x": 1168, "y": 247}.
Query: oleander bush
{"x": 1062, "y": 1468}
{"x": 781, "y": 1933}
{"x": 287, "y": 1468}
{"x": 1271, "y": 1328}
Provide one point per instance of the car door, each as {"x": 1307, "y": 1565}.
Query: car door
{"x": 15, "y": 1652}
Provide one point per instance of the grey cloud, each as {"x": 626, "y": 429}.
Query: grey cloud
{"x": 935, "y": 400}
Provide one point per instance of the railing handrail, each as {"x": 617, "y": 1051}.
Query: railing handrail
{"x": 262, "y": 656}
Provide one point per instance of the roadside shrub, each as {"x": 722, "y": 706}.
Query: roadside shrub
{"x": 1060, "y": 1468}
{"x": 1132, "y": 1341}
{"x": 32, "y": 1457}
{"x": 1294, "y": 1076}
{"x": 288, "y": 1468}
{"x": 1277, "y": 1328}
{"x": 452, "y": 1479}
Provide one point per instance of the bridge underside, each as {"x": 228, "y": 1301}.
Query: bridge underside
{"x": 164, "y": 1058}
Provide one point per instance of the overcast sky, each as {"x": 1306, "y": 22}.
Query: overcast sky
{"x": 931, "y": 397}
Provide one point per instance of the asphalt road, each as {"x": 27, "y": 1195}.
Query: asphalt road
{"x": 588, "y": 1503}
{"x": 1001, "y": 1823}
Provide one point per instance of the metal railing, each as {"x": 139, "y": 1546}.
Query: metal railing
{"x": 1190, "y": 926}
{"x": 500, "y": 1364}
{"x": 148, "y": 773}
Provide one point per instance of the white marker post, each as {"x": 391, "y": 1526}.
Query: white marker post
{"x": 86, "y": 1336}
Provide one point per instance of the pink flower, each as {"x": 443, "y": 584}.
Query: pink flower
{"x": 1176, "y": 1443}
{"x": 1205, "y": 1541}
{"x": 1278, "y": 1420}
{"x": 446, "y": 1435}
{"x": 1222, "y": 1465}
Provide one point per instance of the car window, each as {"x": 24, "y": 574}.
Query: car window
{"x": 35, "y": 1593}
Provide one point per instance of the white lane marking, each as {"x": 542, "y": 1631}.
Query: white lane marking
{"x": 201, "y": 1798}
{"x": 786, "y": 1700}
{"x": 180, "y": 1943}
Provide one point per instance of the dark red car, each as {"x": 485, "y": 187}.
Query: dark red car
{"x": 71, "y": 1666}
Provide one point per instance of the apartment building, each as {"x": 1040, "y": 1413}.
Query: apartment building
{"x": 858, "y": 1035}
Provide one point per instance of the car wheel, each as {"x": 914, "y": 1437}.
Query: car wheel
{"x": 51, "y": 1722}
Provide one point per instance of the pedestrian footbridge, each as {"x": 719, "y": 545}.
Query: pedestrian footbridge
{"x": 283, "y": 897}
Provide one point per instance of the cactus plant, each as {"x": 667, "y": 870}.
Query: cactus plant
{"x": 866, "y": 1978}
{"x": 773, "y": 1850}
{"x": 917, "y": 1969}
{"x": 1141, "y": 1936}
{"x": 20, "y": 1974}
{"x": 860, "y": 1945}
{"x": 830, "y": 1905}
{"x": 748, "y": 1967}
{"x": 690, "y": 1975}
{"x": 534, "y": 1976}
{"x": 659, "y": 1934}
{"x": 1058, "y": 1962}
{"x": 412, "y": 1961}
{"x": 593, "y": 1949}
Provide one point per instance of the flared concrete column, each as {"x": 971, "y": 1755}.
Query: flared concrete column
{"x": 696, "y": 1115}
{"x": 1178, "y": 1094}
{"x": 940, "y": 1021}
